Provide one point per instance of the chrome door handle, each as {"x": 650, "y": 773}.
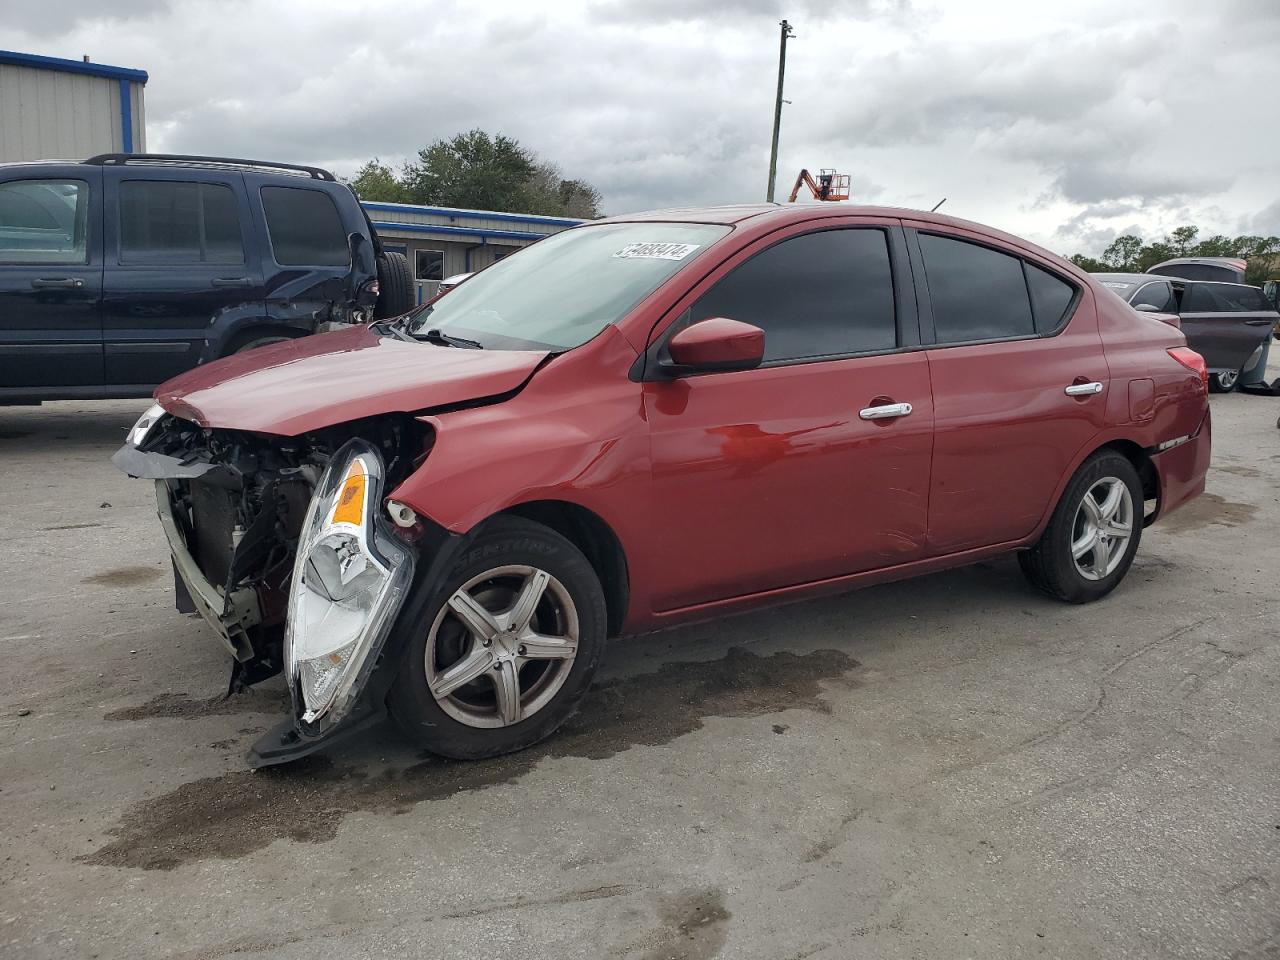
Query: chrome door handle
{"x": 886, "y": 412}
{"x": 1083, "y": 389}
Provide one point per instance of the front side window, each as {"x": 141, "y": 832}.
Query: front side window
{"x": 816, "y": 295}
{"x": 305, "y": 228}
{"x": 43, "y": 221}
{"x": 977, "y": 293}
{"x": 1224, "y": 298}
{"x": 560, "y": 292}
{"x": 170, "y": 221}
{"x": 429, "y": 264}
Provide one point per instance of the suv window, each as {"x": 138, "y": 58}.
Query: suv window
{"x": 305, "y": 228}
{"x": 169, "y": 221}
{"x": 43, "y": 221}
{"x": 1224, "y": 298}
{"x": 1051, "y": 297}
{"x": 815, "y": 295}
{"x": 1159, "y": 295}
{"x": 977, "y": 293}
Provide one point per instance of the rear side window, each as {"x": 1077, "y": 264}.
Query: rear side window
{"x": 977, "y": 293}
{"x": 1159, "y": 295}
{"x": 820, "y": 294}
{"x": 1050, "y": 298}
{"x": 305, "y": 228}
{"x": 43, "y": 221}
{"x": 168, "y": 221}
{"x": 1224, "y": 298}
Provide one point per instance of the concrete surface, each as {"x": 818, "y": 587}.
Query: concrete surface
{"x": 947, "y": 768}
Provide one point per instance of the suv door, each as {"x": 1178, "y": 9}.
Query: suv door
{"x": 784, "y": 475}
{"x": 1019, "y": 385}
{"x": 1225, "y": 322}
{"x": 50, "y": 279}
{"x": 179, "y": 254}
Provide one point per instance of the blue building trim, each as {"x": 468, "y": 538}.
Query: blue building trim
{"x": 36, "y": 62}
{"x": 126, "y": 115}
{"x": 457, "y": 214}
{"x": 458, "y": 231}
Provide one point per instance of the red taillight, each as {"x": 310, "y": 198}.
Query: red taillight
{"x": 1193, "y": 362}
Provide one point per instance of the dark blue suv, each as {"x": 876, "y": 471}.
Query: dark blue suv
{"x": 121, "y": 271}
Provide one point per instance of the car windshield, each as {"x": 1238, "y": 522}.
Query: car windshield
{"x": 562, "y": 291}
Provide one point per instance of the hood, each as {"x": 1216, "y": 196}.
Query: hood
{"x": 318, "y": 381}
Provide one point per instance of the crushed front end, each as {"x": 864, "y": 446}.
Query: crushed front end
{"x": 283, "y": 546}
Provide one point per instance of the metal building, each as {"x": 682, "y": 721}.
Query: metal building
{"x": 443, "y": 241}
{"x": 68, "y": 109}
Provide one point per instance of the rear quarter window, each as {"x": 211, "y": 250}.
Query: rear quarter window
{"x": 305, "y": 228}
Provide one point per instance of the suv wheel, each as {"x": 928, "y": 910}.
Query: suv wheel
{"x": 1093, "y": 535}
{"x": 507, "y": 645}
{"x": 395, "y": 286}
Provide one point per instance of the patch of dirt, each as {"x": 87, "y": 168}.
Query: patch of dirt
{"x": 73, "y": 526}
{"x": 124, "y": 577}
{"x": 1239, "y": 470}
{"x": 1207, "y": 510}
{"x": 180, "y": 705}
{"x": 239, "y": 812}
{"x": 693, "y": 927}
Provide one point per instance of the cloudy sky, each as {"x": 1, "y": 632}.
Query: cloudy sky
{"x": 1066, "y": 122}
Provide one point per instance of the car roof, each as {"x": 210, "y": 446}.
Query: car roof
{"x": 766, "y": 215}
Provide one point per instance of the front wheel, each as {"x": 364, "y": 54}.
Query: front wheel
{"x": 507, "y": 646}
{"x": 1224, "y": 382}
{"x": 1091, "y": 539}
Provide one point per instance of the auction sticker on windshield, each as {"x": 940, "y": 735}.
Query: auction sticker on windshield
{"x": 657, "y": 251}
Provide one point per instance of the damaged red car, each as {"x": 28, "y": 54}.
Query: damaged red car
{"x": 649, "y": 420}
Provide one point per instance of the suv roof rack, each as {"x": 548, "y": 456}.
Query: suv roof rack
{"x": 102, "y": 159}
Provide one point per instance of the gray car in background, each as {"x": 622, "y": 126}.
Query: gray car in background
{"x": 1226, "y": 323}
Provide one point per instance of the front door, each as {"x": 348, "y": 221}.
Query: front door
{"x": 50, "y": 281}
{"x": 180, "y": 257}
{"x": 788, "y": 474}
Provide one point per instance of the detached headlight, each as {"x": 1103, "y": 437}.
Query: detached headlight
{"x": 145, "y": 422}
{"x": 349, "y": 579}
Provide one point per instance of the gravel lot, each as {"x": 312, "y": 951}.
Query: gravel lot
{"x": 946, "y": 768}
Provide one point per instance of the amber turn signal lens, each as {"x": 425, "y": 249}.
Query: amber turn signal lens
{"x": 350, "y": 505}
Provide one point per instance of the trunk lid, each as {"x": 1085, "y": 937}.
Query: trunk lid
{"x": 315, "y": 382}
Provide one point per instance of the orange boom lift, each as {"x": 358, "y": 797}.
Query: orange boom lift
{"x": 829, "y": 185}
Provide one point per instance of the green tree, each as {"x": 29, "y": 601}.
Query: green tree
{"x": 1122, "y": 253}
{"x": 1183, "y": 239}
{"x": 472, "y": 170}
{"x": 376, "y": 181}
{"x": 1088, "y": 264}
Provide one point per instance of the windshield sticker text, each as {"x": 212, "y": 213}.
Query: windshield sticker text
{"x": 657, "y": 251}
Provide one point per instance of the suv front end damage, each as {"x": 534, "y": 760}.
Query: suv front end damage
{"x": 282, "y": 546}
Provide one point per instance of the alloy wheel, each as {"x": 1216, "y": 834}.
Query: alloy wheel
{"x": 502, "y": 646}
{"x": 1103, "y": 528}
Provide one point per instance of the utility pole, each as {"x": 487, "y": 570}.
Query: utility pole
{"x": 777, "y": 107}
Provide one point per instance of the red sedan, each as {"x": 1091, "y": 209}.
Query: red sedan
{"x": 649, "y": 420}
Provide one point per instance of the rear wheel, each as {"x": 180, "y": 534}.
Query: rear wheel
{"x": 1224, "y": 382}
{"x": 253, "y": 339}
{"x": 395, "y": 286}
{"x": 507, "y": 647}
{"x": 1093, "y": 535}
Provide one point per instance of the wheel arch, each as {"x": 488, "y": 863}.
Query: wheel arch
{"x": 1141, "y": 461}
{"x": 589, "y": 532}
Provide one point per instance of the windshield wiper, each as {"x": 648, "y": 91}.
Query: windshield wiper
{"x": 396, "y": 327}
{"x": 436, "y": 335}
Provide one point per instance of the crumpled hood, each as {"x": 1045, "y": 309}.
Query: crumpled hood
{"x": 318, "y": 381}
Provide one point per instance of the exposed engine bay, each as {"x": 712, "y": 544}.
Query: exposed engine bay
{"x": 235, "y": 502}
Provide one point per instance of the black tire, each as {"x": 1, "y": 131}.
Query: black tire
{"x": 253, "y": 343}
{"x": 1223, "y": 382}
{"x": 504, "y": 542}
{"x": 1049, "y": 565}
{"x": 395, "y": 286}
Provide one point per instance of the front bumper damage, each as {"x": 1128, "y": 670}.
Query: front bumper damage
{"x": 236, "y": 509}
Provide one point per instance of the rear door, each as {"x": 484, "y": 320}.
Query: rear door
{"x": 50, "y": 278}
{"x": 786, "y": 474}
{"x": 179, "y": 254}
{"x": 1019, "y": 384}
{"x": 1225, "y": 322}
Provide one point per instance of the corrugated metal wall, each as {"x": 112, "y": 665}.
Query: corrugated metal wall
{"x": 51, "y": 115}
